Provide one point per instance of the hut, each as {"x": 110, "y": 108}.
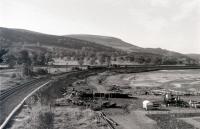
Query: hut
{"x": 147, "y": 105}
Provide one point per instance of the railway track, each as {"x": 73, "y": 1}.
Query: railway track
{"x": 12, "y": 98}
{"x": 111, "y": 124}
{"x": 6, "y": 93}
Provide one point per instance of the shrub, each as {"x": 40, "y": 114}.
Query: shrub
{"x": 13, "y": 75}
{"x": 41, "y": 71}
{"x": 126, "y": 108}
{"x": 45, "y": 120}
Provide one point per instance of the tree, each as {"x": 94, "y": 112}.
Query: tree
{"x": 92, "y": 61}
{"x": 121, "y": 59}
{"x": 157, "y": 61}
{"x": 114, "y": 58}
{"x": 80, "y": 61}
{"x": 10, "y": 59}
{"x": 170, "y": 61}
{"x": 101, "y": 58}
{"x": 108, "y": 60}
{"x": 48, "y": 58}
{"x": 3, "y": 51}
{"x": 147, "y": 60}
{"x": 24, "y": 57}
{"x": 132, "y": 58}
{"x": 25, "y": 61}
{"x": 140, "y": 60}
{"x": 41, "y": 58}
{"x": 34, "y": 58}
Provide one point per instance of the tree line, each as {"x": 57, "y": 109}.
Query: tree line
{"x": 28, "y": 59}
{"x": 25, "y": 59}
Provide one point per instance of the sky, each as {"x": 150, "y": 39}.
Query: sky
{"x": 167, "y": 24}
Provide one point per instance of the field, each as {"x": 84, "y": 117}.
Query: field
{"x": 181, "y": 80}
{"x": 173, "y": 121}
{"x": 195, "y": 121}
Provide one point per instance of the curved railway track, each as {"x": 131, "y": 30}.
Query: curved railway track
{"x": 11, "y": 97}
{"x": 111, "y": 124}
{"x": 7, "y": 92}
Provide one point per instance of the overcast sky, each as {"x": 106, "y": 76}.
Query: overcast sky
{"x": 169, "y": 24}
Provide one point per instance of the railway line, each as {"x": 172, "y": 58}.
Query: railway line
{"x": 111, "y": 124}
{"x": 6, "y": 93}
{"x": 11, "y": 97}
{"x": 11, "y": 90}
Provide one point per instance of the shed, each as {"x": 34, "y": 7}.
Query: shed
{"x": 147, "y": 105}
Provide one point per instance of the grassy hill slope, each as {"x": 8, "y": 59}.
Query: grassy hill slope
{"x": 119, "y": 44}
{"x": 108, "y": 41}
{"x": 91, "y": 47}
{"x": 18, "y": 37}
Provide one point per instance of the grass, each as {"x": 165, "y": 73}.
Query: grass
{"x": 45, "y": 120}
{"x": 170, "y": 121}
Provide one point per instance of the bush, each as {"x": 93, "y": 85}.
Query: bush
{"x": 46, "y": 120}
{"x": 13, "y": 75}
{"x": 41, "y": 71}
{"x": 126, "y": 108}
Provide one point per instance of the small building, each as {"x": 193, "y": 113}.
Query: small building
{"x": 147, "y": 105}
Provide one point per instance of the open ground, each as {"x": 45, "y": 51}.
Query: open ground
{"x": 128, "y": 113}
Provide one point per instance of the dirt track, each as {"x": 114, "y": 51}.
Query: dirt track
{"x": 135, "y": 120}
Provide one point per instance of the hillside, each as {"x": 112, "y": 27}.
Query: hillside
{"x": 194, "y": 56}
{"x": 120, "y": 44}
{"x": 95, "y": 49}
{"x": 165, "y": 52}
{"x": 108, "y": 41}
{"x": 18, "y": 38}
